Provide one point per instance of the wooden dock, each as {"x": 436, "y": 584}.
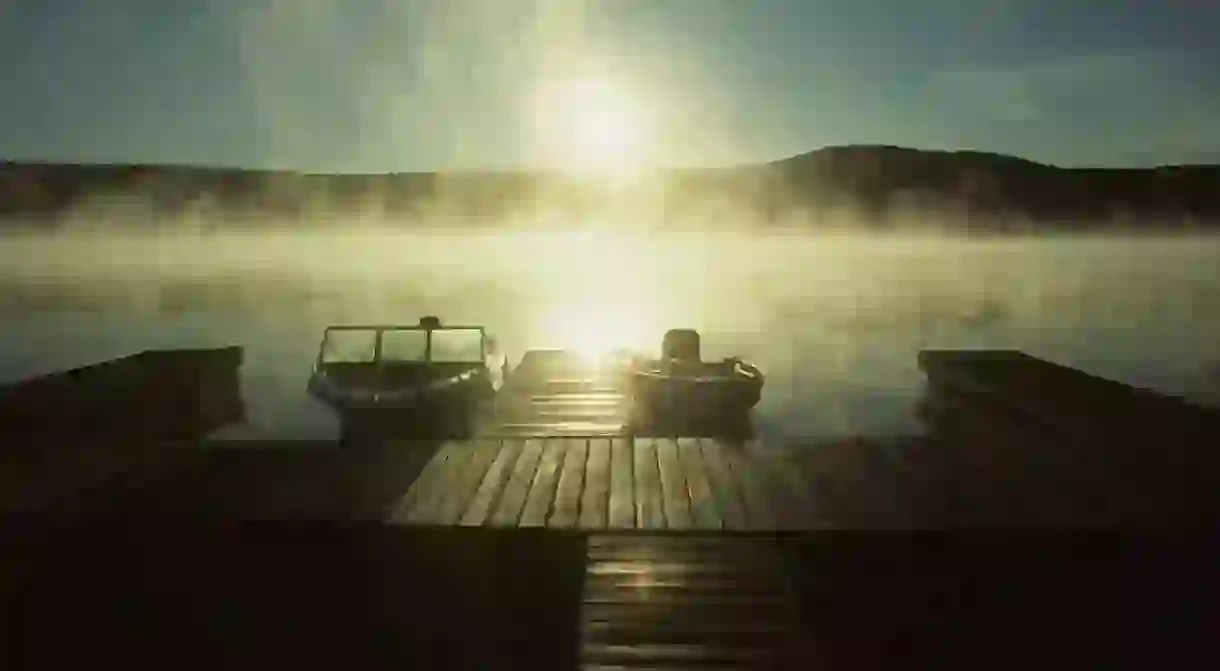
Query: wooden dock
{"x": 512, "y": 546}
{"x": 609, "y": 483}
{"x": 1009, "y": 441}
{"x": 77, "y": 435}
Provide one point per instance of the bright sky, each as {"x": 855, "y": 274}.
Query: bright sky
{"x": 385, "y": 85}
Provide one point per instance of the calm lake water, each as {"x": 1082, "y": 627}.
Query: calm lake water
{"x": 836, "y": 322}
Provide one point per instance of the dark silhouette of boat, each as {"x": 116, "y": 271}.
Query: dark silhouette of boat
{"x": 381, "y": 374}
{"x": 681, "y": 385}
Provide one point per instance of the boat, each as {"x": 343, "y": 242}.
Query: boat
{"x": 428, "y": 366}
{"x": 681, "y": 384}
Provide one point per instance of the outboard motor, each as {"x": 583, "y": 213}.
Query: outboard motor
{"x": 681, "y": 345}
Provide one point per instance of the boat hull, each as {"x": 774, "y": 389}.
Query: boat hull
{"x": 449, "y": 411}
{"x": 446, "y": 392}
{"x": 656, "y": 395}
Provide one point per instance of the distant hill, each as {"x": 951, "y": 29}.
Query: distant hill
{"x": 879, "y": 187}
{"x": 998, "y": 190}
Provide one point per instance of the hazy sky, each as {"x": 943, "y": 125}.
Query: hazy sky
{"x": 375, "y": 85}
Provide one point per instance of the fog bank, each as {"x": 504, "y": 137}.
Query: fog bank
{"x": 835, "y": 320}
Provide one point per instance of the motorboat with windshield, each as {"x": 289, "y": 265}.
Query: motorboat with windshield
{"x": 368, "y": 367}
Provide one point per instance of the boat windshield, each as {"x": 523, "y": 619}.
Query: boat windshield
{"x": 359, "y": 345}
{"x": 349, "y": 346}
{"x": 457, "y": 346}
{"x": 404, "y": 345}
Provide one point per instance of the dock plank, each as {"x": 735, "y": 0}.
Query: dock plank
{"x": 513, "y": 499}
{"x": 593, "y": 505}
{"x": 704, "y": 512}
{"x": 724, "y": 488}
{"x": 490, "y": 489}
{"x": 759, "y": 509}
{"x": 463, "y": 489}
{"x": 681, "y": 483}
{"x": 427, "y": 508}
{"x": 422, "y": 493}
{"x": 649, "y": 504}
{"x": 673, "y": 485}
{"x": 571, "y": 481}
{"x": 622, "y": 505}
{"x": 402, "y": 508}
{"x": 542, "y": 492}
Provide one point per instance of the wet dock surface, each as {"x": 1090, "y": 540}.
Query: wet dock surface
{"x": 537, "y": 541}
{"x": 560, "y": 451}
{"x": 709, "y": 601}
{"x": 623, "y": 483}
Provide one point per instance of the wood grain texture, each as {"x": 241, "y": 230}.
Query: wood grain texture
{"x": 593, "y": 483}
{"x": 422, "y": 495}
{"x": 546, "y": 479}
{"x": 566, "y": 512}
{"x": 488, "y": 494}
{"x": 595, "y": 501}
{"x": 518, "y": 487}
{"x": 462, "y": 489}
{"x": 673, "y": 485}
{"x": 649, "y": 500}
{"x": 725, "y": 489}
{"x": 622, "y": 504}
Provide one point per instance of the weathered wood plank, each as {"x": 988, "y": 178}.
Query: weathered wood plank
{"x": 571, "y": 481}
{"x": 704, "y": 512}
{"x": 542, "y": 492}
{"x": 402, "y": 508}
{"x": 513, "y": 499}
{"x": 421, "y": 495}
{"x": 622, "y": 505}
{"x": 759, "y": 510}
{"x": 460, "y": 493}
{"x": 455, "y": 454}
{"x": 673, "y": 485}
{"x": 649, "y": 504}
{"x": 724, "y": 488}
{"x": 593, "y": 505}
{"x": 646, "y": 483}
{"x": 488, "y": 494}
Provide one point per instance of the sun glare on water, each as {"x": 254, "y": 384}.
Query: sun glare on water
{"x": 593, "y": 330}
{"x": 600, "y": 295}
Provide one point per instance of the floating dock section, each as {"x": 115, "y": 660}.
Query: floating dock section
{"x": 1020, "y": 440}
{"x": 91, "y": 430}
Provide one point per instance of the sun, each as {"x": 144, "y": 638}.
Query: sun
{"x": 590, "y": 125}
{"x": 593, "y": 329}
{"x": 604, "y": 130}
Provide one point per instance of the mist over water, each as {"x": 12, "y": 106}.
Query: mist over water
{"x": 835, "y": 320}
